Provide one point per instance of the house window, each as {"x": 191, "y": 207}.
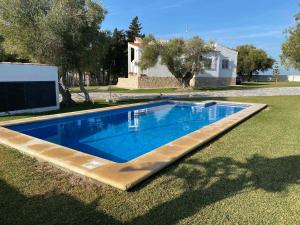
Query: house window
{"x": 225, "y": 64}
{"x": 132, "y": 54}
{"x": 207, "y": 63}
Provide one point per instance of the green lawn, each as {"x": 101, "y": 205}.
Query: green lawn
{"x": 245, "y": 86}
{"x": 250, "y": 175}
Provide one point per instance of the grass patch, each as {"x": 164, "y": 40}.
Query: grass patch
{"x": 250, "y": 175}
{"x": 245, "y": 86}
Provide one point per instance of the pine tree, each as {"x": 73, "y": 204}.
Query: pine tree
{"x": 276, "y": 72}
{"x": 116, "y": 59}
{"x": 135, "y": 29}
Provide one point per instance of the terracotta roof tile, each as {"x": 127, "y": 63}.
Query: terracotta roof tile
{"x": 136, "y": 44}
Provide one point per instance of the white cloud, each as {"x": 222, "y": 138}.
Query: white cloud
{"x": 233, "y": 33}
{"x": 173, "y": 4}
{"x": 271, "y": 33}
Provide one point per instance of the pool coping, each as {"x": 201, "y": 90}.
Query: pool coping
{"x": 120, "y": 175}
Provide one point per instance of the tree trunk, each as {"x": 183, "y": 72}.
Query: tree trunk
{"x": 249, "y": 77}
{"x": 65, "y": 93}
{"x": 186, "y": 79}
{"x": 87, "y": 97}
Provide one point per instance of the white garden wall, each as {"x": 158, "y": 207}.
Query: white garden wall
{"x": 294, "y": 78}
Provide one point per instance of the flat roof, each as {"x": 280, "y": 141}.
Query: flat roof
{"x": 33, "y": 64}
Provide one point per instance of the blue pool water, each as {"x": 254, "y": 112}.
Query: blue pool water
{"x": 123, "y": 134}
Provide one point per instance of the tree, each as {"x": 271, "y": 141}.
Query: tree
{"x": 251, "y": 60}
{"x": 116, "y": 57}
{"x": 184, "y": 58}
{"x": 276, "y": 72}
{"x": 95, "y": 60}
{"x": 107, "y": 59}
{"x": 60, "y": 32}
{"x": 9, "y": 57}
{"x": 135, "y": 29}
{"x": 74, "y": 25}
{"x": 290, "y": 50}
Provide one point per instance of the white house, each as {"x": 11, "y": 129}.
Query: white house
{"x": 220, "y": 70}
{"x": 28, "y": 88}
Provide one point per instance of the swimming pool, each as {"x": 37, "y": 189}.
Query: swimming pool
{"x": 125, "y": 134}
{"x": 123, "y": 145}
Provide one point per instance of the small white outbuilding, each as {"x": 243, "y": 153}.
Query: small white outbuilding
{"x": 28, "y": 88}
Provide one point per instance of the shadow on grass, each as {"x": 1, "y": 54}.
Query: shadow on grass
{"x": 52, "y": 208}
{"x": 257, "y": 83}
{"x": 221, "y": 178}
{"x": 205, "y": 183}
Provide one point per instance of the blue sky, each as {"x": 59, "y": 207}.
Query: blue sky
{"x": 229, "y": 22}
